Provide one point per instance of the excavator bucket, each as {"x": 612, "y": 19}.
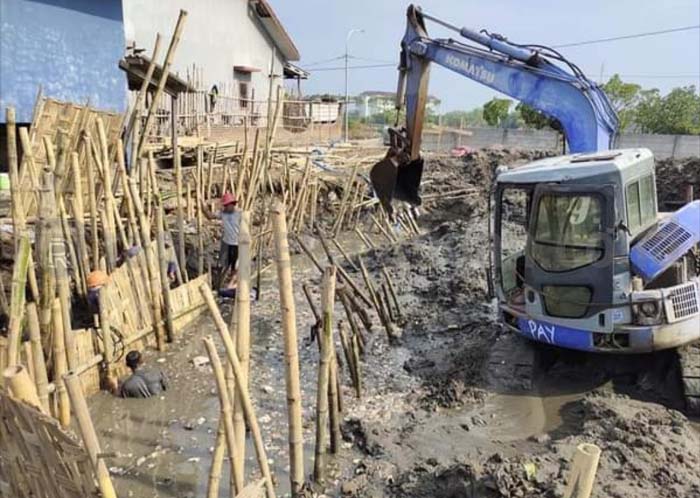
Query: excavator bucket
{"x": 393, "y": 178}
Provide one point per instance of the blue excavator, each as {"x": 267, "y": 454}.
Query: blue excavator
{"x": 591, "y": 264}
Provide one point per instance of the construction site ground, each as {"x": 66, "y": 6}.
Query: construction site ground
{"x": 457, "y": 407}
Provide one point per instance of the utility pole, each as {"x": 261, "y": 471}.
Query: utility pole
{"x": 347, "y": 98}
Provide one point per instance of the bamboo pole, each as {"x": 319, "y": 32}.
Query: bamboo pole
{"x": 17, "y": 299}
{"x": 348, "y": 312}
{"x": 89, "y": 436}
{"x": 108, "y": 229}
{"x": 200, "y": 220}
{"x": 328, "y": 291}
{"x": 378, "y": 306}
{"x": 92, "y": 204}
{"x": 392, "y": 291}
{"x": 13, "y": 170}
{"x": 217, "y": 460}
{"x": 59, "y": 364}
{"x": 242, "y": 391}
{"x": 334, "y": 394}
{"x": 21, "y": 386}
{"x": 180, "y": 213}
{"x": 163, "y": 266}
{"x": 242, "y": 335}
{"x": 225, "y": 404}
{"x": 364, "y": 239}
{"x": 583, "y": 471}
{"x": 79, "y": 220}
{"x": 165, "y": 72}
{"x": 129, "y": 200}
{"x": 291, "y": 352}
{"x": 307, "y": 293}
{"x": 40, "y": 376}
{"x": 355, "y": 347}
{"x": 344, "y": 254}
{"x": 141, "y": 96}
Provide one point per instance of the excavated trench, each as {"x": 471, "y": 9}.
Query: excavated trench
{"x": 457, "y": 408}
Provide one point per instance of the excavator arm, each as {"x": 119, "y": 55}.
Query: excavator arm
{"x": 533, "y": 74}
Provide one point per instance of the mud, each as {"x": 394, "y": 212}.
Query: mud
{"x": 457, "y": 408}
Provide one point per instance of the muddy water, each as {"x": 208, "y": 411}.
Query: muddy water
{"x": 165, "y": 444}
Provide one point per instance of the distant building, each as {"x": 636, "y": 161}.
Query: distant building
{"x": 68, "y": 48}
{"x": 370, "y": 103}
{"x": 229, "y": 44}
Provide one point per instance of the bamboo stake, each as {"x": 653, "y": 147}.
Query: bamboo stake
{"x": 284, "y": 274}
{"x": 92, "y": 204}
{"x": 217, "y": 460}
{"x": 13, "y": 170}
{"x": 348, "y": 312}
{"x": 58, "y": 251}
{"x": 225, "y": 407}
{"x": 392, "y": 291}
{"x": 583, "y": 471}
{"x": 141, "y": 96}
{"x": 79, "y": 220}
{"x": 110, "y": 241}
{"x": 163, "y": 266}
{"x": 343, "y": 203}
{"x": 381, "y": 229}
{"x": 242, "y": 335}
{"x": 21, "y": 386}
{"x": 165, "y": 72}
{"x": 344, "y": 254}
{"x": 355, "y": 347}
{"x": 19, "y": 279}
{"x": 334, "y": 401}
{"x": 361, "y": 312}
{"x": 311, "y": 302}
{"x": 322, "y": 405}
{"x": 242, "y": 391}
{"x": 40, "y": 376}
{"x": 72, "y": 253}
{"x": 89, "y": 436}
{"x": 200, "y": 221}
{"x": 59, "y": 364}
{"x": 180, "y": 214}
{"x": 364, "y": 239}
{"x": 378, "y": 306}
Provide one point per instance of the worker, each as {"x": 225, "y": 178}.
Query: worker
{"x": 95, "y": 281}
{"x": 142, "y": 383}
{"x": 230, "y": 217}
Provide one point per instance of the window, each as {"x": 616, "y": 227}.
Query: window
{"x": 243, "y": 94}
{"x": 641, "y": 203}
{"x": 568, "y": 232}
{"x": 634, "y": 212}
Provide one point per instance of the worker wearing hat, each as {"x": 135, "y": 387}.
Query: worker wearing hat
{"x": 230, "y": 217}
{"x": 95, "y": 281}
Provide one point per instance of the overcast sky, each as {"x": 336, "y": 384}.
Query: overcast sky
{"x": 319, "y": 27}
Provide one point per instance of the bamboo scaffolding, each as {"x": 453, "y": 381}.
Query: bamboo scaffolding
{"x": 92, "y": 202}
{"x": 284, "y": 275}
{"x": 248, "y": 409}
{"x": 89, "y": 436}
{"x": 79, "y": 221}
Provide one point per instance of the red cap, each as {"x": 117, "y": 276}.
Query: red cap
{"x": 228, "y": 198}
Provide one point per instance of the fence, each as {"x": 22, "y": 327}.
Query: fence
{"x": 217, "y": 116}
{"x": 663, "y": 146}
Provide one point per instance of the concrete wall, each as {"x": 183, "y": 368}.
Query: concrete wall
{"x": 69, "y": 47}
{"x": 218, "y": 35}
{"x": 663, "y": 146}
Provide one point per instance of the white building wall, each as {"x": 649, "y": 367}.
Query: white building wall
{"x": 217, "y": 35}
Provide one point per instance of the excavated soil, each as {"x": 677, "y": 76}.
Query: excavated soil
{"x": 455, "y": 408}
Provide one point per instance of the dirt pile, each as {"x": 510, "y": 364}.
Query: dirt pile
{"x": 671, "y": 177}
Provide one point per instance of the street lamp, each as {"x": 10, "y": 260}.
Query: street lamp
{"x": 347, "y": 99}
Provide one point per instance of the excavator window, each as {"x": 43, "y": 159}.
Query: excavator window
{"x": 568, "y": 231}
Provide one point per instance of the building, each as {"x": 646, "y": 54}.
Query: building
{"x": 67, "y": 48}
{"x": 374, "y": 102}
{"x": 230, "y": 44}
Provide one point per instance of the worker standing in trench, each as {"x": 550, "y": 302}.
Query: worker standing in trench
{"x": 142, "y": 383}
{"x": 230, "y": 217}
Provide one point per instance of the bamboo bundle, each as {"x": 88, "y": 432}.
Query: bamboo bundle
{"x": 284, "y": 275}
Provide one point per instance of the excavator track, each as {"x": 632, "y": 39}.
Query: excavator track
{"x": 689, "y": 361}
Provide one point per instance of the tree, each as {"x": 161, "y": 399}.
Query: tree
{"x": 625, "y": 98}
{"x": 496, "y": 111}
{"x": 457, "y": 119}
{"x": 535, "y": 119}
{"x": 676, "y": 113}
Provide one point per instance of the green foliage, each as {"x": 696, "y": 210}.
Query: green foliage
{"x": 676, "y": 113}
{"x": 625, "y": 98}
{"x": 496, "y": 111}
{"x": 461, "y": 119}
{"x": 535, "y": 119}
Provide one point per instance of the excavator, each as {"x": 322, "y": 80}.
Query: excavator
{"x": 590, "y": 264}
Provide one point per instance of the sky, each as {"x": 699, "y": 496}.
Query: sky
{"x": 319, "y": 28}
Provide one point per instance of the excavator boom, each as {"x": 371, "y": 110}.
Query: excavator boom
{"x": 533, "y": 74}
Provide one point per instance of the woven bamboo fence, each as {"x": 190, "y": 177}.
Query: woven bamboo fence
{"x": 37, "y": 458}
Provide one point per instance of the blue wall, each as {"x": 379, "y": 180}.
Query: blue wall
{"x": 69, "y": 47}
